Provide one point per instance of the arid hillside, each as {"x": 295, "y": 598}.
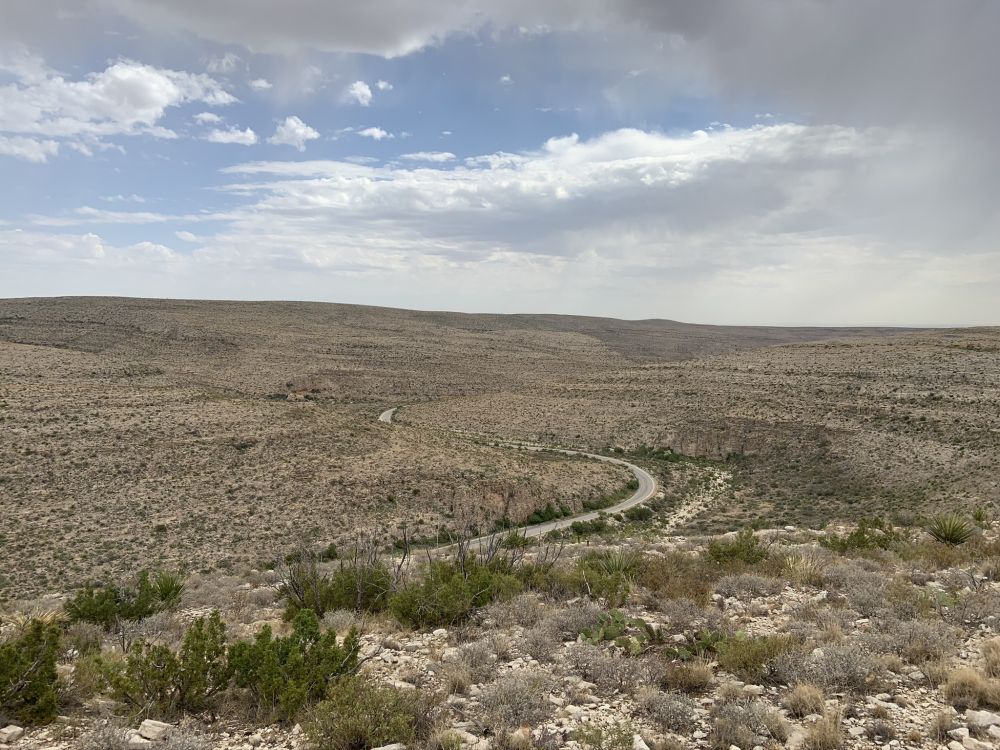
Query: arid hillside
{"x": 217, "y": 434}
{"x": 814, "y": 431}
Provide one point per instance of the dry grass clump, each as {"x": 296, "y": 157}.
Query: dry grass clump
{"x": 991, "y": 657}
{"x": 805, "y": 699}
{"x": 688, "y": 676}
{"x": 916, "y": 641}
{"x": 825, "y": 734}
{"x": 805, "y": 569}
{"x": 969, "y": 688}
{"x": 943, "y": 722}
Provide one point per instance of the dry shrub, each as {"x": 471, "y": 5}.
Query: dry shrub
{"x": 480, "y": 658}
{"x": 609, "y": 670}
{"x": 342, "y": 620}
{"x": 688, "y": 676}
{"x": 969, "y": 688}
{"x": 944, "y": 722}
{"x": 805, "y": 699}
{"x": 677, "y": 575}
{"x": 825, "y": 734}
{"x": 745, "y": 724}
{"x": 845, "y": 666}
{"x": 917, "y": 641}
{"x": 747, "y": 586}
{"x": 514, "y": 700}
{"x": 750, "y": 658}
{"x": 456, "y": 677}
{"x": 675, "y": 713}
{"x": 524, "y": 609}
{"x": 541, "y": 641}
{"x": 991, "y": 657}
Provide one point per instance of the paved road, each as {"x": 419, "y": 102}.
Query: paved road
{"x": 647, "y": 489}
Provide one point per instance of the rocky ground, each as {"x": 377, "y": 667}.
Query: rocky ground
{"x": 803, "y": 648}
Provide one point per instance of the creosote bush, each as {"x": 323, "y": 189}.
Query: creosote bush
{"x": 361, "y": 713}
{"x": 113, "y": 605}
{"x": 749, "y": 658}
{"x": 448, "y": 591}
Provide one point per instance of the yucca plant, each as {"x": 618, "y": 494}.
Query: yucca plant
{"x": 621, "y": 563}
{"x": 951, "y": 528}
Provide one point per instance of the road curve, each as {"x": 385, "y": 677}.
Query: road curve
{"x": 647, "y": 489}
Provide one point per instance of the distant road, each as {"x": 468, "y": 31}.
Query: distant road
{"x": 647, "y": 489}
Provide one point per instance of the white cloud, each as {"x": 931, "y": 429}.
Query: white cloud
{"x": 244, "y": 137}
{"x": 186, "y": 236}
{"x": 375, "y": 133}
{"x": 29, "y": 149}
{"x": 431, "y": 156}
{"x": 123, "y": 198}
{"x": 261, "y": 84}
{"x": 127, "y": 98}
{"x": 383, "y": 85}
{"x": 223, "y": 64}
{"x": 505, "y": 80}
{"x": 207, "y": 118}
{"x": 293, "y": 132}
{"x": 360, "y": 92}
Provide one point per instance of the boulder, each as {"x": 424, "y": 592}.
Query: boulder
{"x": 10, "y": 733}
{"x": 155, "y": 730}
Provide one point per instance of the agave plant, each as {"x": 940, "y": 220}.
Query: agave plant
{"x": 621, "y": 563}
{"x": 951, "y": 528}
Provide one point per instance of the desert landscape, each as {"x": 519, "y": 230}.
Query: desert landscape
{"x": 809, "y": 560}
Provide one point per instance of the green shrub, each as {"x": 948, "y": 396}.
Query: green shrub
{"x": 361, "y": 586}
{"x": 112, "y": 605}
{"x": 282, "y": 675}
{"x": 639, "y": 513}
{"x": 448, "y": 592}
{"x": 156, "y": 680}
{"x": 950, "y": 528}
{"x": 743, "y": 548}
{"x": 870, "y": 534}
{"x": 749, "y": 658}
{"x": 28, "y": 673}
{"x": 360, "y": 713}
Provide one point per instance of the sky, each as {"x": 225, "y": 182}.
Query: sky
{"x": 783, "y": 162}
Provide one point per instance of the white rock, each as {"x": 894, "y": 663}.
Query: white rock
{"x": 11, "y": 733}
{"x": 440, "y": 633}
{"x": 638, "y": 743}
{"x": 958, "y": 734}
{"x": 138, "y": 742}
{"x": 393, "y": 746}
{"x": 971, "y": 743}
{"x": 155, "y": 730}
{"x": 981, "y": 718}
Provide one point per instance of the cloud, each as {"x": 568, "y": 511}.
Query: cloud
{"x": 224, "y": 64}
{"x": 505, "y": 80}
{"x": 383, "y": 85}
{"x": 430, "y": 156}
{"x": 360, "y": 92}
{"x": 293, "y": 132}
{"x": 784, "y": 222}
{"x": 29, "y": 149}
{"x": 244, "y": 137}
{"x": 207, "y": 118}
{"x": 261, "y": 84}
{"x": 375, "y": 133}
{"x": 127, "y": 98}
{"x": 186, "y": 236}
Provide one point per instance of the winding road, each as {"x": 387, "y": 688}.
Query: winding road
{"x": 647, "y": 489}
